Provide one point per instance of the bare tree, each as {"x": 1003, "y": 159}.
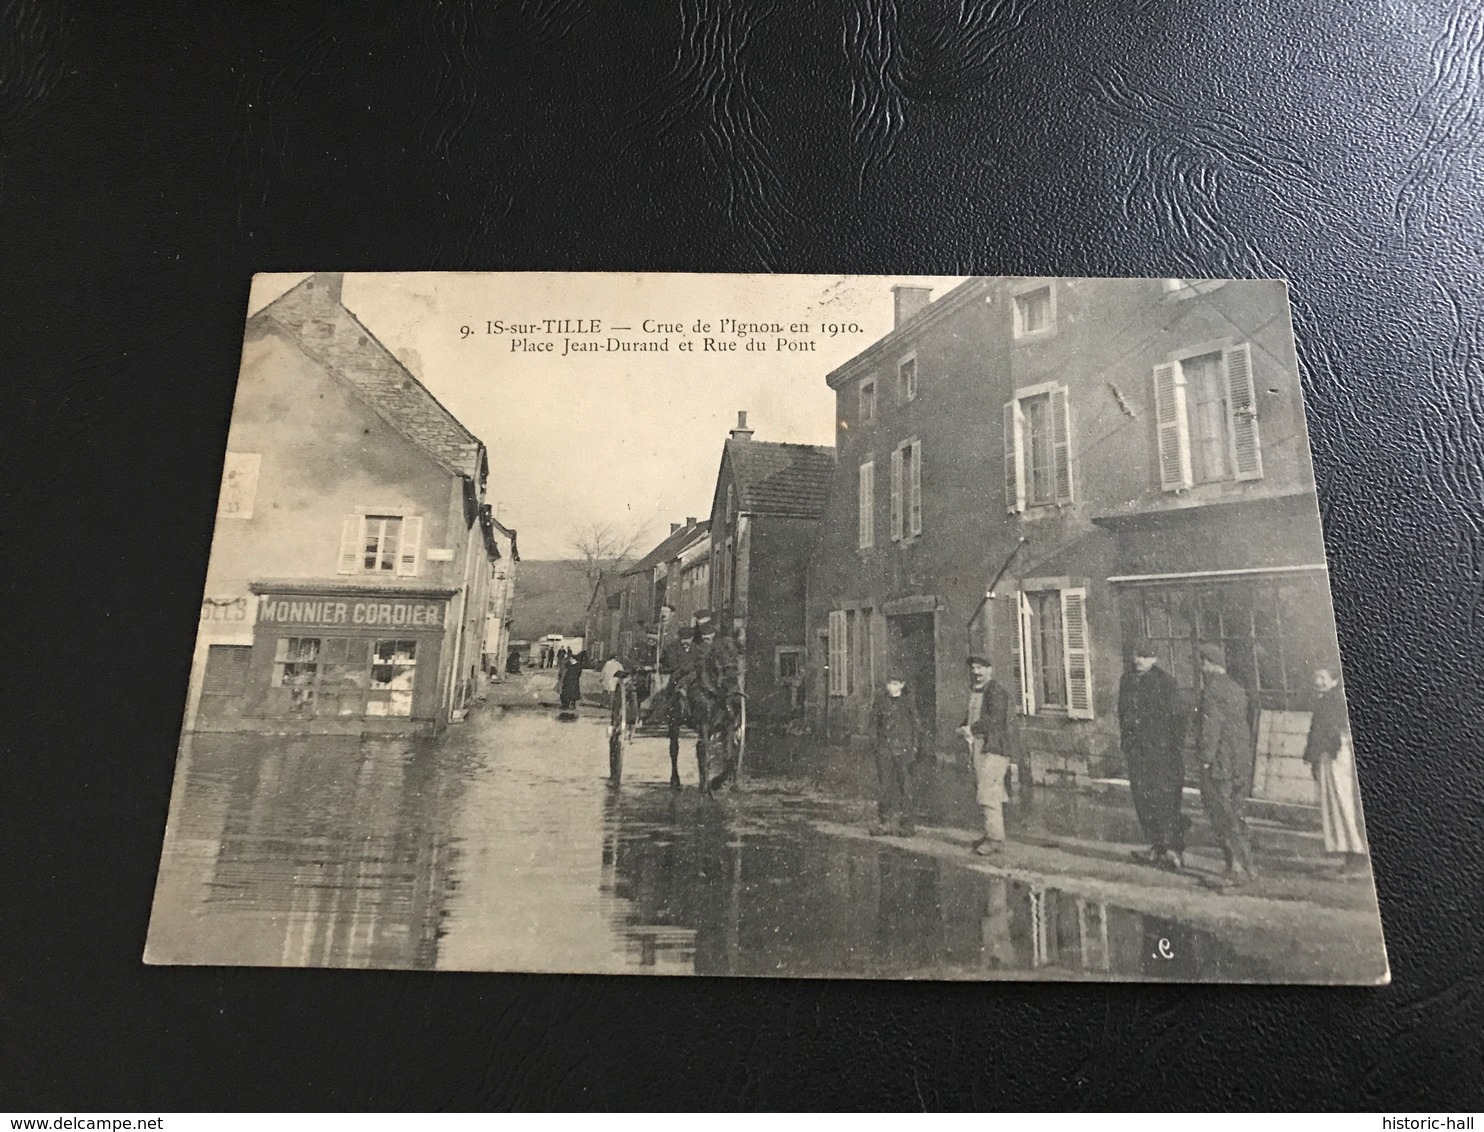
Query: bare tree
{"x": 601, "y": 548}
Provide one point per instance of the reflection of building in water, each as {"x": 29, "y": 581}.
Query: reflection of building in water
{"x": 322, "y": 855}
{"x": 354, "y": 554}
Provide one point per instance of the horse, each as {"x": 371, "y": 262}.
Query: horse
{"x": 718, "y": 717}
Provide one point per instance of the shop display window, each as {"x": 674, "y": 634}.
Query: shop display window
{"x": 393, "y": 671}
{"x": 296, "y": 667}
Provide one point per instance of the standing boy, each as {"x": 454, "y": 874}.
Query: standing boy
{"x": 897, "y": 737}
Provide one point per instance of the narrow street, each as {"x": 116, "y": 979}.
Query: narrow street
{"x": 501, "y": 845}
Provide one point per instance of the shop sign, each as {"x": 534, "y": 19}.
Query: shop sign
{"x": 224, "y": 609}
{"x": 283, "y": 609}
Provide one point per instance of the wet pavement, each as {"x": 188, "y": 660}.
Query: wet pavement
{"x": 502, "y": 846}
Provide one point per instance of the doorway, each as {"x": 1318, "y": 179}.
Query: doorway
{"x": 912, "y": 652}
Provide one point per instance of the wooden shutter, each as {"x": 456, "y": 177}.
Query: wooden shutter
{"x": 1241, "y": 403}
{"x": 409, "y": 558}
{"x": 1061, "y": 442}
{"x": 914, "y": 495}
{"x": 1014, "y": 460}
{"x": 867, "y": 505}
{"x": 1024, "y": 653}
{"x": 837, "y": 654}
{"x": 896, "y": 496}
{"x": 1075, "y": 653}
{"x": 1172, "y": 427}
{"x": 350, "y": 545}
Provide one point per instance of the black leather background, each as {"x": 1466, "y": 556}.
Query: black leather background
{"x": 154, "y": 155}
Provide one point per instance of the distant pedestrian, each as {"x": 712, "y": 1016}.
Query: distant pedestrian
{"x": 512, "y": 662}
{"x": 986, "y": 729}
{"x": 1226, "y": 752}
{"x": 569, "y": 684}
{"x": 611, "y": 668}
{"x": 897, "y": 738}
{"x": 1151, "y": 729}
{"x": 1331, "y": 757}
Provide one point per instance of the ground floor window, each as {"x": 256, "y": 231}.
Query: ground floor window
{"x": 1052, "y": 656}
{"x": 393, "y": 670}
{"x": 296, "y": 667}
{"x": 1274, "y": 632}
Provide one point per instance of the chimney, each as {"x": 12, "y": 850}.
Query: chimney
{"x": 907, "y": 301}
{"x": 741, "y": 432}
{"x": 690, "y": 520}
{"x": 674, "y": 527}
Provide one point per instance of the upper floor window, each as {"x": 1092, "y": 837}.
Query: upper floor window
{"x": 381, "y": 543}
{"x": 866, "y": 506}
{"x": 868, "y": 400}
{"x": 907, "y": 379}
{"x": 1205, "y": 408}
{"x": 1038, "y": 456}
{"x": 906, "y": 490}
{"x": 1035, "y": 311}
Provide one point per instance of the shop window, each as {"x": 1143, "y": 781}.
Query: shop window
{"x": 1052, "y": 660}
{"x": 1038, "y": 449}
{"x": 393, "y": 671}
{"x": 381, "y": 543}
{"x": 1205, "y": 408}
{"x": 343, "y": 677}
{"x": 296, "y": 667}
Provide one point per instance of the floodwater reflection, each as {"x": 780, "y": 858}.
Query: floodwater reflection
{"x": 501, "y": 846}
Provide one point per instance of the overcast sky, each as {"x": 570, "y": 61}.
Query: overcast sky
{"x": 629, "y": 437}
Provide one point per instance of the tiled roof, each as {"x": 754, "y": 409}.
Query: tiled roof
{"x": 787, "y": 480}
{"x": 672, "y": 545}
{"x": 313, "y": 314}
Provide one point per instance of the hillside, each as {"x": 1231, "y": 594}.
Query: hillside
{"x": 550, "y": 597}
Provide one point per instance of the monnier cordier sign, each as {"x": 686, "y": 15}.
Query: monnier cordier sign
{"x": 323, "y": 612}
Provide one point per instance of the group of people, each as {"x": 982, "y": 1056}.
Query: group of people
{"x": 1153, "y": 726}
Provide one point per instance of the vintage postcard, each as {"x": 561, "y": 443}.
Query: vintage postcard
{"x": 794, "y": 626}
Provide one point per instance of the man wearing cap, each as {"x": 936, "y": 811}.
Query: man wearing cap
{"x": 1151, "y": 728}
{"x": 1226, "y": 752}
{"x": 897, "y": 737}
{"x": 986, "y": 729}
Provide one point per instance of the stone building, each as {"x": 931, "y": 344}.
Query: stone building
{"x": 348, "y": 585}
{"x": 1134, "y": 450}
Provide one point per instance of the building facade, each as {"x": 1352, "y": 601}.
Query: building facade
{"x": 765, "y": 516}
{"x": 348, "y": 585}
{"x": 1133, "y": 455}
{"x": 648, "y": 590}
{"x": 501, "y": 611}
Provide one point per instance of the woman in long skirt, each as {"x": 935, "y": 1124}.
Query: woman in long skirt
{"x": 1331, "y": 757}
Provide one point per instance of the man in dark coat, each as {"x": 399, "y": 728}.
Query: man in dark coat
{"x": 569, "y": 684}
{"x": 986, "y": 729}
{"x": 896, "y": 736}
{"x": 1151, "y": 729}
{"x": 1226, "y": 751}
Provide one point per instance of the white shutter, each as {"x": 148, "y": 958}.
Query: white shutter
{"x": 1024, "y": 653}
{"x": 350, "y": 545}
{"x": 1241, "y": 401}
{"x": 1172, "y": 427}
{"x": 914, "y": 503}
{"x": 1061, "y": 443}
{"x": 409, "y": 558}
{"x": 1014, "y": 459}
{"x": 867, "y": 505}
{"x": 896, "y": 496}
{"x": 837, "y": 652}
{"x": 1075, "y": 652}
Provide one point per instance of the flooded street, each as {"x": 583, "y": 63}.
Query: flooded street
{"x": 501, "y": 846}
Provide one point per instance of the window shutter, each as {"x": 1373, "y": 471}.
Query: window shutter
{"x": 896, "y": 496}
{"x": 837, "y": 652}
{"x": 1075, "y": 653}
{"x": 1172, "y": 428}
{"x": 1014, "y": 459}
{"x": 350, "y": 545}
{"x": 1023, "y": 653}
{"x": 867, "y": 504}
{"x": 1061, "y": 442}
{"x": 1241, "y": 404}
{"x": 914, "y": 505}
{"x": 410, "y": 556}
